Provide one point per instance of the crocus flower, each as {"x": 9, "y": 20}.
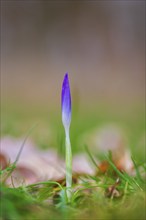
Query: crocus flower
{"x": 66, "y": 119}
{"x": 66, "y": 102}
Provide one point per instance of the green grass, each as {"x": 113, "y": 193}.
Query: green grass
{"x": 92, "y": 199}
{"x": 112, "y": 195}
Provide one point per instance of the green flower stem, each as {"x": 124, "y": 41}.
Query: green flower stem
{"x": 68, "y": 166}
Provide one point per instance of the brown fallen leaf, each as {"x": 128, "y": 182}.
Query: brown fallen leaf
{"x": 42, "y": 165}
{"x": 110, "y": 138}
{"x": 112, "y": 191}
{"x": 103, "y": 166}
{"x": 22, "y": 175}
{"x": 3, "y": 161}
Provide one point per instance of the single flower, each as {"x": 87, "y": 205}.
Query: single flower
{"x": 66, "y": 119}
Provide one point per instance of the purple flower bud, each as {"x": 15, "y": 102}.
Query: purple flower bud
{"x": 66, "y": 102}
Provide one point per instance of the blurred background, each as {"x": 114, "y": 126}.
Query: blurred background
{"x": 101, "y": 44}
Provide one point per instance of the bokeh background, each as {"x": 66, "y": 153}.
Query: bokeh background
{"x": 100, "y": 43}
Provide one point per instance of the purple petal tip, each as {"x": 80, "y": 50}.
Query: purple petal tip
{"x": 66, "y": 101}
